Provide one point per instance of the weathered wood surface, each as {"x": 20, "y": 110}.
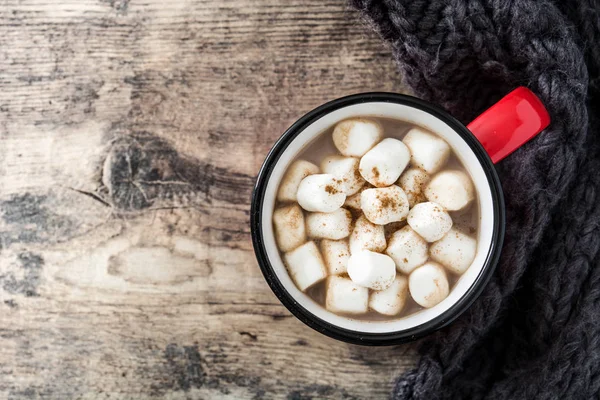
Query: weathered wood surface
{"x": 130, "y": 135}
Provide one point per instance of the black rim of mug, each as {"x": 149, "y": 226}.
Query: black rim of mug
{"x": 366, "y": 338}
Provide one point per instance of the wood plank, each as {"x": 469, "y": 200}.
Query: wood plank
{"x": 130, "y": 133}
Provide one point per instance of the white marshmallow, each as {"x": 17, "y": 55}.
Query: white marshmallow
{"x": 345, "y": 296}
{"x": 336, "y": 254}
{"x": 353, "y": 201}
{"x": 321, "y": 193}
{"x": 428, "y": 151}
{"x": 305, "y": 265}
{"x": 290, "y": 231}
{"x": 384, "y": 205}
{"x": 383, "y": 164}
{"x": 373, "y": 270}
{"x": 428, "y": 284}
{"x": 366, "y": 236}
{"x": 407, "y": 249}
{"x": 346, "y": 169}
{"x": 451, "y": 189}
{"x": 354, "y": 137}
{"x": 334, "y": 225}
{"x": 299, "y": 170}
{"x": 430, "y": 221}
{"x": 412, "y": 181}
{"x": 391, "y": 300}
{"x": 455, "y": 251}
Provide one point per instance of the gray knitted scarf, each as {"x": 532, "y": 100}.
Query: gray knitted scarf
{"x": 535, "y": 331}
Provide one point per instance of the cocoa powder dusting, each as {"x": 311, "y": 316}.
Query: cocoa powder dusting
{"x": 357, "y": 175}
{"x": 331, "y": 189}
{"x": 375, "y": 172}
{"x": 386, "y": 201}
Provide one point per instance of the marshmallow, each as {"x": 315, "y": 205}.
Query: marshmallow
{"x": 366, "y": 236}
{"x": 428, "y": 151}
{"x": 305, "y": 265}
{"x": 296, "y": 172}
{"x": 346, "y": 169}
{"x": 384, "y": 205}
{"x": 412, "y": 181}
{"x": 455, "y": 251}
{"x": 354, "y": 137}
{"x": 373, "y": 270}
{"x": 336, "y": 254}
{"x": 345, "y": 296}
{"x": 353, "y": 201}
{"x": 407, "y": 249}
{"x": 451, "y": 189}
{"x": 429, "y": 220}
{"x": 428, "y": 284}
{"x": 320, "y": 192}
{"x": 383, "y": 164}
{"x": 391, "y": 300}
{"x": 334, "y": 225}
{"x": 289, "y": 227}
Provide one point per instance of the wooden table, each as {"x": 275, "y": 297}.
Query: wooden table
{"x": 130, "y": 136}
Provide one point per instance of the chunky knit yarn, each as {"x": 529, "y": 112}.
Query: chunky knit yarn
{"x": 535, "y": 331}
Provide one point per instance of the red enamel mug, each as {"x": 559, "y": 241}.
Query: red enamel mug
{"x": 492, "y": 136}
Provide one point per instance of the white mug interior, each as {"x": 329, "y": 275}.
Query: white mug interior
{"x": 410, "y": 115}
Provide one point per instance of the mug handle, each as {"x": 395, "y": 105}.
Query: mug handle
{"x": 510, "y": 123}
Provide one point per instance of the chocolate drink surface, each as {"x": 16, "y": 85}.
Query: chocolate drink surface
{"x": 376, "y": 219}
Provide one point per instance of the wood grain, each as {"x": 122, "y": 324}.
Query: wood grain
{"x": 130, "y": 135}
